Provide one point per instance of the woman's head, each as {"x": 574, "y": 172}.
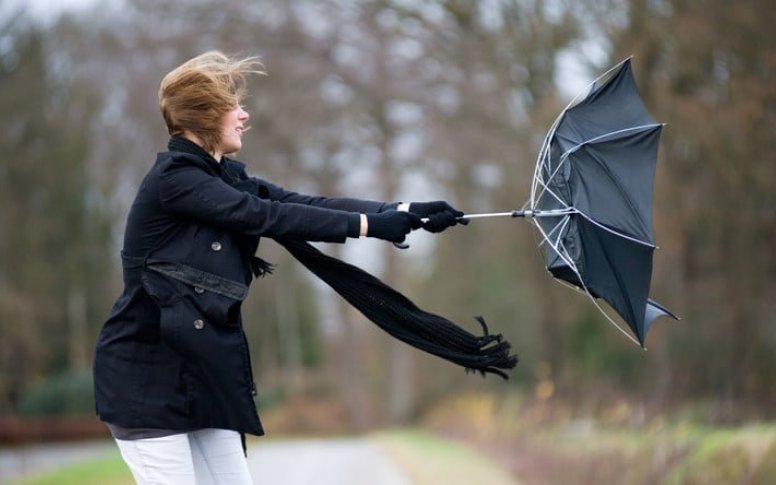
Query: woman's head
{"x": 203, "y": 94}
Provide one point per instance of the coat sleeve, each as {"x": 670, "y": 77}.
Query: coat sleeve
{"x": 187, "y": 190}
{"x": 340, "y": 203}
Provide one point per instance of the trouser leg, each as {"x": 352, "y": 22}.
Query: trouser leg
{"x": 218, "y": 457}
{"x": 159, "y": 461}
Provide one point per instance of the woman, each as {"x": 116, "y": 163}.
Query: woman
{"x": 172, "y": 370}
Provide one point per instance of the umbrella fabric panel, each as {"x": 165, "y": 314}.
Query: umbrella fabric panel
{"x": 612, "y": 182}
{"x": 654, "y": 311}
{"x": 614, "y": 105}
{"x": 617, "y": 270}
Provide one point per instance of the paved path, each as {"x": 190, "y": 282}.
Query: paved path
{"x": 351, "y": 461}
{"x": 344, "y": 461}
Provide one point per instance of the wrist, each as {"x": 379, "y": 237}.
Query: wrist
{"x": 364, "y": 225}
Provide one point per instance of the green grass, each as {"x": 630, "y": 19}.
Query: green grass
{"x": 431, "y": 460}
{"x": 741, "y": 455}
{"x": 108, "y": 470}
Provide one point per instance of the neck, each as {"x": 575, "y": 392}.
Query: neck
{"x": 216, "y": 154}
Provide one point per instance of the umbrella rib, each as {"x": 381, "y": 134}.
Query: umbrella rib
{"x": 613, "y": 134}
{"x": 558, "y": 245}
{"x": 616, "y": 233}
{"x": 611, "y": 320}
{"x": 552, "y": 231}
{"x": 539, "y": 180}
{"x": 547, "y": 189}
{"x": 552, "y": 176}
{"x": 564, "y": 254}
{"x": 559, "y": 227}
{"x": 571, "y": 150}
{"x": 585, "y": 92}
{"x": 544, "y": 153}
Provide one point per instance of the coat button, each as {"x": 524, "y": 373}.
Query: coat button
{"x": 215, "y": 246}
{"x": 199, "y": 324}
{"x": 199, "y": 290}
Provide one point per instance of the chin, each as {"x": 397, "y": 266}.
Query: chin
{"x": 233, "y": 148}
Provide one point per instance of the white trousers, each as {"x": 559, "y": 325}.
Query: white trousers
{"x": 203, "y": 457}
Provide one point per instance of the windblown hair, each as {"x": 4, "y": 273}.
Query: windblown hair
{"x": 196, "y": 95}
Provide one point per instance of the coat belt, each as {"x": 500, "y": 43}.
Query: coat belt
{"x": 190, "y": 276}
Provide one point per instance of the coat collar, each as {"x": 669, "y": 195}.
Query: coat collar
{"x": 229, "y": 169}
{"x": 184, "y": 145}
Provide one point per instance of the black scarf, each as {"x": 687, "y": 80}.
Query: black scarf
{"x": 402, "y": 319}
{"x": 384, "y": 306}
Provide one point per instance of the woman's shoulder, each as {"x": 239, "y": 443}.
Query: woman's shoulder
{"x": 172, "y": 161}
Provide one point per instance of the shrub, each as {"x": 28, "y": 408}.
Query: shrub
{"x": 61, "y": 394}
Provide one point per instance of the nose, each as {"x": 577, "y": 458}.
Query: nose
{"x": 243, "y": 115}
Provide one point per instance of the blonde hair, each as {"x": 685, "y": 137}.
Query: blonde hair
{"x": 195, "y": 96}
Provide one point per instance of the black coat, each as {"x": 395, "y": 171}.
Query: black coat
{"x": 173, "y": 354}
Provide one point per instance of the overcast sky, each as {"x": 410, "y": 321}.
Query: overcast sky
{"x": 571, "y": 77}
{"x": 45, "y": 10}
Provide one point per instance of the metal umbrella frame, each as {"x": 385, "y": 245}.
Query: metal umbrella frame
{"x": 541, "y": 190}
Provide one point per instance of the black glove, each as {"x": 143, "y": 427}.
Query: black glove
{"x": 439, "y": 221}
{"x": 391, "y": 225}
{"x": 440, "y": 214}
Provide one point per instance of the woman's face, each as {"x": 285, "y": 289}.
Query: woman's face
{"x": 232, "y": 127}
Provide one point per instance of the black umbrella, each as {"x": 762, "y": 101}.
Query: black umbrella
{"x": 591, "y": 198}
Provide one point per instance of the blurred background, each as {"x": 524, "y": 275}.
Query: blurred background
{"x": 415, "y": 100}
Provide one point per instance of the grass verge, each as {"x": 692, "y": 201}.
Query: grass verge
{"x": 108, "y": 470}
{"x": 430, "y": 460}
{"x": 556, "y": 441}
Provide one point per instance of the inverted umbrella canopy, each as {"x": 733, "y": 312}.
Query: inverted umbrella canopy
{"x": 595, "y": 171}
{"x": 591, "y": 199}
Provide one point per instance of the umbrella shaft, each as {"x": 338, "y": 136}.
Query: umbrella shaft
{"x": 516, "y": 213}
{"x": 526, "y": 214}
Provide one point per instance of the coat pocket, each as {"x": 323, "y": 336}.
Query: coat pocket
{"x": 214, "y": 299}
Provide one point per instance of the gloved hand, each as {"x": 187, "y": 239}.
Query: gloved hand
{"x": 391, "y": 225}
{"x": 440, "y": 214}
